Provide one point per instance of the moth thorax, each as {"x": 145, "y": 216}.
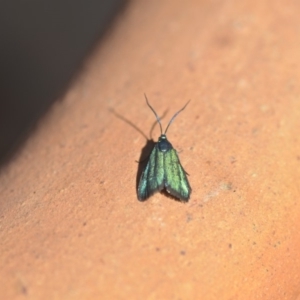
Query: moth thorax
{"x": 163, "y": 144}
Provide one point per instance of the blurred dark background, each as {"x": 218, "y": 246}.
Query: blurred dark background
{"x": 42, "y": 45}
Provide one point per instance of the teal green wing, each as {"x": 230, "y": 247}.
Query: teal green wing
{"x": 152, "y": 178}
{"x": 176, "y": 181}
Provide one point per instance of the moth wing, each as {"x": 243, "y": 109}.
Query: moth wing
{"x": 152, "y": 178}
{"x": 176, "y": 181}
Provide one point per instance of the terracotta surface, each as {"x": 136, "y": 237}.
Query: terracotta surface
{"x": 71, "y": 224}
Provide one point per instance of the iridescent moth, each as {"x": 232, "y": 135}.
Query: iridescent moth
{"x": 163, "y": 170}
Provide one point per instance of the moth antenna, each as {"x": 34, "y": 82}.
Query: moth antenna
{"x": 157, "y": 118}
{"x": 176, "y": 116}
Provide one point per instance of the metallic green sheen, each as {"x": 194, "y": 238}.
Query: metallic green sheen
{"x": 164, "y": 170}
{"x": 176, "y": 181}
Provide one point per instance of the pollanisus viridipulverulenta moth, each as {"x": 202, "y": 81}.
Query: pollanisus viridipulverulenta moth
{"x": 163, "y": 169}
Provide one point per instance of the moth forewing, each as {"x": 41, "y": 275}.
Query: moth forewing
{"x": 176, "y": 181}
{"x": 152, "y": 178}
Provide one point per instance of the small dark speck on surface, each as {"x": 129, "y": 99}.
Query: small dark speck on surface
{"x": 182, "y": 252}
{"x": 189, "y": 217}
{"x": 24, "y": 290}
{"x": 232, "y": 159}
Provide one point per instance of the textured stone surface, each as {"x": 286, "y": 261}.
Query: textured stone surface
{"x": 71, "y": 225}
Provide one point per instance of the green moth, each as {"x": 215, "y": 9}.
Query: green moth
{"x": 163, "y": 170}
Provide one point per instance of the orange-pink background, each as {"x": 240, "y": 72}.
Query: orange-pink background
{"x": 71, "y": 226}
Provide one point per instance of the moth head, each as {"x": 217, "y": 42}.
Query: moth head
{"x": 163, "y": 144}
